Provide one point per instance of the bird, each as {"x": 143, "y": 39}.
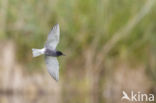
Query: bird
{"x": 50, "y": 52}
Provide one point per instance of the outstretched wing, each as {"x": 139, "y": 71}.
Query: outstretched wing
{"x": 53, "y": 38}
{"x": 52, "y": 66}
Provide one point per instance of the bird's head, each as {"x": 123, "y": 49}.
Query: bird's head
{"x": 59, "y": 53}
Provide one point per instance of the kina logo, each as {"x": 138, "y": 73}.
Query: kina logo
{"x": 140, "y": 97}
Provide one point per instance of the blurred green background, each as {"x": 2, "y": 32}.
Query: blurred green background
{"x": 110, "y": 46}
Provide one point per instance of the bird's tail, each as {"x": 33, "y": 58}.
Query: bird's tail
{"x": 37, "y": 52}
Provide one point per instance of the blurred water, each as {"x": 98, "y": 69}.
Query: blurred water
{"x": 28, "y": 99}
{"x": 47, "y": 98}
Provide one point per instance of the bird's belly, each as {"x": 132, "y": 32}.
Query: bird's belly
{"x": 50, "y": 53}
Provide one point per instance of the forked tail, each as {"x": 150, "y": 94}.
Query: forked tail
{"x": 37, "y": 52}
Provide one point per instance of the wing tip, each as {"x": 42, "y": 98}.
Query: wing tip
{"x": 57, "y": 25}
{"x": 55, "y": 78}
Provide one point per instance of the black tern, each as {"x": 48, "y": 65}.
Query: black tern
{"x": 50, "y": 52}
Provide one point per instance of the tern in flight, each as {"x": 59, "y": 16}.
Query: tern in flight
{"x": 50, "y": 52}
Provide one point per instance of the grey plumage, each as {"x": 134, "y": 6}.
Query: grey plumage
{"x": 52, "y": 66}
{"x": 53, "y": 38}
{"x": 50, "y": 52}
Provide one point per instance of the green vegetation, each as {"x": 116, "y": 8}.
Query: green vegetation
{"x": 95, "y": 34}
